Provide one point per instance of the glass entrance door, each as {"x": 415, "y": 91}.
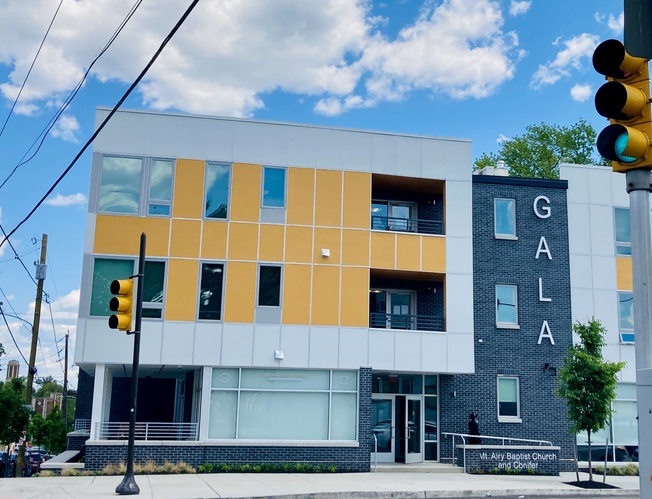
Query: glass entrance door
{"x": 382, "y": 426}
{"x": 413, "y": 425}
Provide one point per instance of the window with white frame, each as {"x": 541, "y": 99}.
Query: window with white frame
{"x": 269, "y": 286}
{"x": 505, "y": 218}
{"x": 508, "y": 398}
{"x": 506, "y": 306}
{"x": 273, "y": 187}
{"x": 623, "y": 231}
{"x": 269, "y": 404}
{"x": 105, "y": 270}
{"x": 626, "y": 316}
{"x": 135, "y": 186}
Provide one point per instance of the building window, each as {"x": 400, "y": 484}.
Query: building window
{"x": 269, "y": 286}
{"x": 505, "y": 218}
{"x": 258, "y": 403}
{"x": 159, "y": 191}
{"x": 217, "y": 190}
{"x": 105, "y": 270}
{"x": 508, "y": 399}
{"x": 506, "y": 306}
{"x": 120, "y": 185}
{"x": 395, "y": 216}
{"x": 153, "y": 285}
{"x": 273, "y": 187}
{"x": 626, "y": 316}
{"x": 210, "y": 293}
{"x": 623, "y": 231}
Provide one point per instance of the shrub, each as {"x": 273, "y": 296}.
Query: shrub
{"x": 70, "y": 472}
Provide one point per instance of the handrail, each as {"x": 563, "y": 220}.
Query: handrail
{"x": 82, "y": 425}
{"x": 412, "y": 322}
{"x": 489, "y": 437}
{"x": 112, "y": 430}
{"x": 398, "y": 224}
{"x": 375, "y": 452}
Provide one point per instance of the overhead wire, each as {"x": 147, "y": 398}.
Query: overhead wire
{"x": 12, "y": 337}
{"x": 30, "y": 69}
{"x": 17, "y": 257}
{"x": 106, "y": 120}
{"x": 42, "y": 136}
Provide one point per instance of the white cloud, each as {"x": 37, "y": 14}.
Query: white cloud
{"x": 229, "y": 55}
{"x": 517, "y": 8}
{"x": 502, "y": 138}
{"x": 69, "y": 200}
{"x": 616, "y": 24}
{"x": 66, "y": 128}
{"x": 570, "y": 57}
{"x": 581, "y": 93}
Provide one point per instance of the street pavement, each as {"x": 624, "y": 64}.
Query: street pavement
{"x": 316, "y": 486}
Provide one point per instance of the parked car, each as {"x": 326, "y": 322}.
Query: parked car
{"x": 35, "y": 458}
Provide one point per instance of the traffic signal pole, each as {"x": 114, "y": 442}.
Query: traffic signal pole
{"x": 128, "y": 485}
{"x": 639, "y": 186}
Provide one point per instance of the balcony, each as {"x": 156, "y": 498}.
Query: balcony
{"x": 403, "y": 300}
{"x": 406, "y": 204}
{"x": 404, "y": 321}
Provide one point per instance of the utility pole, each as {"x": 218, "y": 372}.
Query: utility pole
{"x": 31, "y": 368}
{"x": 65, "y": 389}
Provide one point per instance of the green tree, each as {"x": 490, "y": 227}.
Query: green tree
{"x": 47, "y": 386}
{"x": 55, "y": 431}
{"x": 588, "y": 382}
{"x": 37, "y": 431}
{"x": 539, "y": 151}
{"x": 14, "y": 416}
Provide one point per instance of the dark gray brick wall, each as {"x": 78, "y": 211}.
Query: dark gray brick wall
{"x": 84, "y": 402}
{"x": 516, "y": 352}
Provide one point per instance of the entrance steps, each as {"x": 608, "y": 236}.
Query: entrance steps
{"x": 417, "y": 468}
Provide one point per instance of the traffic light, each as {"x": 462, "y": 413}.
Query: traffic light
{"x": 122, "y": 304}
{"x": 625, "y": 100}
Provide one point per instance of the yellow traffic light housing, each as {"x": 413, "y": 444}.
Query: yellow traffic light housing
{"x": 625, "y": 100}
{"x": 122, "y": 304}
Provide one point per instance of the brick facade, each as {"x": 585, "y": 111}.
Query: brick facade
{"x": 516, "y": 352}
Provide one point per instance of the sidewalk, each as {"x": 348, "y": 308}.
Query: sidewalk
{"x": 312, "y": 486}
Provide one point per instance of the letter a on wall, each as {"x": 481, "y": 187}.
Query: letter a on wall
{"x": 545, "y": 333}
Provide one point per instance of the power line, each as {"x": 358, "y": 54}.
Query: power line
{"x": 17, "y": 257}
{"x": 42, "y": 136}
{"x": 12, "y": 336}
{"x": 30, "y": 69}
{"x": 106, "y": 120}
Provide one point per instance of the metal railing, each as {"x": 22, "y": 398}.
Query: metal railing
{"x": 407, "y": 225}
{"x": 503, "y": 441}
{"x": 83, "y": 425}
{"x": 403, "y": 321}
{"x": 110, "y": 430}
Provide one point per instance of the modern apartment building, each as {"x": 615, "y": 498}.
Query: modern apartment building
{"x": 302, "y": 285}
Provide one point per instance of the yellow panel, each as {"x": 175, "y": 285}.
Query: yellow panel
{"x": 185, "y": 238}
{"x": 272, "y": 239}
{"x": 433, "y": 254}
{"x": 355, "y": 247}
{"x": 327, "y": 239}
{"x": 325, "y": 296}
{"x": 301, "y": 191}
{"x": 240, "y": 293}
{"x": 357, "y": 200}
{"x": 298, "y": 244}
{"x": 120, "y": 235}
{"x": 408, "y": 251}
{"x": 624, "y": 274}
{"x": 296, "y": 294}
{"x": 328, "y": 202}
{"x": 213, "y": 240}
{"x": 355, "y": 296}
{"x": 382, "y": 250}
{"x": 245, "y": 192}
{"x": 182, "y": 290}
{"x": 188, "y": 199}
{"x": 243, "y": 241}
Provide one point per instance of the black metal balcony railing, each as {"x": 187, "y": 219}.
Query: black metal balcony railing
{"x": 401, "y": 321}
{"x": 407, "y": 225}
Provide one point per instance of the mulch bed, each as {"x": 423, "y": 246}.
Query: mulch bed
{"x": 592, "y": 484}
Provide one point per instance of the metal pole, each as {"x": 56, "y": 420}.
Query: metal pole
{"x": 128, "y": 485}
{"x": 639, "y": 186}
{"x": 65, "y": 388}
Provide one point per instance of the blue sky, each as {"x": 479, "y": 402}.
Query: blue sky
{"x": 476, "y": 69}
